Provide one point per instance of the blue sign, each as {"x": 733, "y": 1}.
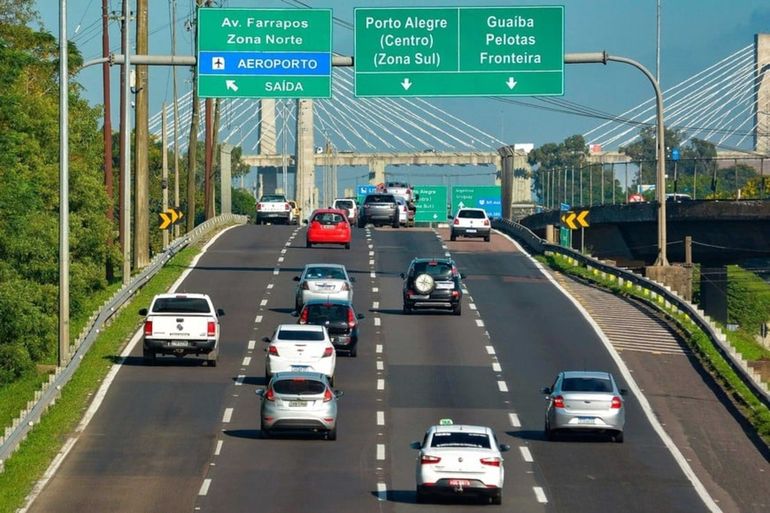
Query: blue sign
{"x": 493, "y": 206}
{"x": 564, "y": 207}
{"x": 363, "y": 190}
{"x": 675, "y": 154}
{"x": 264, "y": 63}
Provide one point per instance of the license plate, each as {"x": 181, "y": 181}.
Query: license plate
{"x": 445, "y": 285}
{"x": 585, "y": 420}
{"x": 178, "y": 343}
{"x": 297, "y": 404}
{"x": 471, "y": 230}
{"x": 459, "y": 482}
{"x": 328, "y": 227}
{"x": 299, "y": 368}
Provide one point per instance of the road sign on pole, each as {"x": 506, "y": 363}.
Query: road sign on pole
{"x": 431, "y": 207}
{"x": 264, "y": 53}
{"x": 459, "y": 51}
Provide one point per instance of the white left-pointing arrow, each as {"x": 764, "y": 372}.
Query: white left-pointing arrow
{"x": 511, "y": 83}
{"x": 231, "y": 85}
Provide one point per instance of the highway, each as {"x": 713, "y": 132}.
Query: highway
{"x": 183, "y": 437}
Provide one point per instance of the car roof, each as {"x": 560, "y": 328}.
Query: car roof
{"x": 300, "y": 327}
{"x": 330, "y": 301}
{"x": 319, "y": 376}
{"x": 193, "y": 295}
{"x": 328, "y": 211}
{"x": 443, "y": 260}
{"x": 586, "y": 374}
{"x": 472, "y": 208}
{"x": 460, "y": 428}
{"x": 323, "y": 264}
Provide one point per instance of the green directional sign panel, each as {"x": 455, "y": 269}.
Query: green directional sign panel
{"x": 459, "y": 51}
{"x": 431, "y": 207}
{"x": 264, "y": 53}
{"x": 478, "y": 196}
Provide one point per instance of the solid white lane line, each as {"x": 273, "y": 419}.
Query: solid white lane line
{"x": 375, "y": 305}
{"x": 205, "y": 487}
{"x": 382, "y": 491}
{"x": 227, "y": 417}
{"x": 380, "y": 418}
{"x": 540, "y": 494}
{"x": 258, "y": 319}
{"x": 380, "y": 384}
{"x": 377, "y": 321}
{"x": 246, "y": 361}
{"x": 280, "y": 259}
{"x": 526, "y": 454}
{"x": 515, "y": 422}
{"x": 472, "y": 306}
{"x": 263, "y": 302}
{"x": 380, "y": 451}
{"x": 479, "y": 323}
{"x": 276, "y": 271}
{"x": 496, "y": 367}
{"x": 380, "y": 365}
{"x": 375, "y": 289}
{"x": 252, "y": 344}
{"x": 502, "y": 386}
{"x": 219, "y": 447}
{"x": 490, "y": 350}
{"x": 378, "y": 348}
{"x": 269, "y": 286}
{"x": 372, "y": 274}
{"x": 239, "y": 379}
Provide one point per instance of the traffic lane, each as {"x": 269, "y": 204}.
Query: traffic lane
{"x": 437, "y": 366}
{"x": 155, "y": 428}
{"x": 537, "y": 332}
{"x": 300, "y": 473}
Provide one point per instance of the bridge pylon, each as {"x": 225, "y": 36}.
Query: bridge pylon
{"x": 762, "y": 94}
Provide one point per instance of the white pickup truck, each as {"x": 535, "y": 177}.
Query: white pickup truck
{"x": 273, "y": 208}
{"x": 181, "y": 324}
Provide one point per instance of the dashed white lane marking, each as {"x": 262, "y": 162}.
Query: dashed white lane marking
{"x": 263, "y": 302}
{"x": 371, "y": 246}
{"x": 515, "y": 422}
{"x": 380, "y": 418}
{"x": 276, "y": 271}
{"x": 540, "y": 494}
{"x": 258, "y": 319}
{"x": 252, "y": 345}
{"x": 502, "y": 386}
{"x": 380, "y": 451}
{"x": 479, "y": 323}
{"x": 288, "y": 243}
{"x": 526, "y": 454}
{"x": 239, "y": 379}
{"x": 490, "y": 350}
{"x": 371, "y": 253}
{"x": 443, "y": 246}
{"x": 283, "y": 251}
{"x": 380, "y": 365}
{"x": 377, "y": 321}
{"x": 472, "y": 306}
{"x": 382, "y": 491}
{"x": 371, "y": 261}
{"x": 447, "y": 253}
{"x": 280, "y": 259}
{"x": 372, "y": 274}
{"x": 218, "y": 449}
{"x": 246, "y": 361}
{"x": 269, "y": 286}
{"x": 227, "y": 417}
{"x": 205, "y": 487}
{"x": 380, "y": 384}
{"x": 375, "y": 305}
{"x": 378, "y": 348}
{"x": 496, "y": 367}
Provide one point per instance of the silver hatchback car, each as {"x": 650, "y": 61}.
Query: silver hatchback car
{"x": 585, "y": 401}
{"x": 299, "y": 401}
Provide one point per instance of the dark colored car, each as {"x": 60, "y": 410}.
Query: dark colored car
{"x": 379, "y": 209}
{"x": 340, "y": 319}
{"x": 432, "y": 283}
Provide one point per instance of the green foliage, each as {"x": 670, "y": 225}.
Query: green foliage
{"x": 748, "y": 299}
{"x": 243, "y": 202}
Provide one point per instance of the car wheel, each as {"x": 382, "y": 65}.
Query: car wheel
{"x": 361, "y": 223}
{"x": 331, "y": 381}
{"x": 496, "y": 499}
{"x": 148, "y": 356}
{"x": 353, "y": 352}
{"x": 457, "y": 309}
{"x": 347, "y": 245}
{"x": 331, "y": 434}
{"x": 266, "y": 433}
{"x": 549, "y": 433}
{"x": 396, "y": 223}
{"x": 308, "y": 244}
{"x": 486, "y": 238}
{"x": 422, "y": 497}
{"x": 618, "y": 437}
{"x": 407, "y": 309}
{"x": 452, "y": 236}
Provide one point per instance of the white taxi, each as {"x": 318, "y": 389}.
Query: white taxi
{"x": 459, "y": 460}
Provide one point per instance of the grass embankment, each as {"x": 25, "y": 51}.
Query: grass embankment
{"x": 35, "y": 454}
{"x": 698, "y": 341}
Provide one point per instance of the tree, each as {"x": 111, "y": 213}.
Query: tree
{"x": 571, "y": 153}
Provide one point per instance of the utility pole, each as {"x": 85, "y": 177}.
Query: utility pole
{"x": 64, "y": 199}
{"x": 141, "y": 138}
{"x": 176, "y": 115}
{"x": 192, "y": 147}
{"x": 125, "y": 148}
{"x": 208, "y": 204}
{"x": 107, "y": 131}
{"x": 164, "y": 177}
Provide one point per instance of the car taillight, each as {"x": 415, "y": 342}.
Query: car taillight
{"x": 259, "y": 206}
{"x": 486, "y": 222}
{"x": 429, "y": 460}
{"x": 303, "y": 316}
{"x": 345, "y": 286}
{"x": 305, "y": 286}
{"x": 287, "y": 206}
{"x": 270, "y": 395}
{"x": 328, "y": 352}
{"x": 147, "y": 328}
{"x": 558, "y": 402}
{"x": 455, "y": 293}
{"x": 211, "y": 329}
{"x": 351, "y": 318}
{"x": 616, "y": 404}
{"x": 328, "y": 395}
{"x": 271, "y": 349}
{"x": 492, "y": 462}
{"x": 410, "y": 293}
{"x": 457, "y": 220}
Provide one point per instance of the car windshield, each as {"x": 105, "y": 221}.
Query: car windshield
{"x": 181, "y": 305}
{"x": 438, "y": 270}
{"x": 328, "y": 218}
{"x": 325, "y": 273}
{"x": 300, "y": 335}
{"x": 471, "y": 214}
{"x": 319, "y": 314}
{"x": 299, "y": 386}
{"x": 380, "y": 198}
{"x": 344, "y": 204}
{"x": 586, "y": 385}
{"x": 460, "y": 439}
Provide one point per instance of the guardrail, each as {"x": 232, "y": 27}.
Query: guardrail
{"x": 49, "y": 392}
{"x": 627, "y": 278}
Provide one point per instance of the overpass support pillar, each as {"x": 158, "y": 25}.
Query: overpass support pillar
{"x": 677, "y": 277}
{"x": 226, "y": 187}
{"x": 506, "y": 180}
{"x": 376, "y": 171}
{"x": 306, "y": 197}
{"x": 762, "y": 100}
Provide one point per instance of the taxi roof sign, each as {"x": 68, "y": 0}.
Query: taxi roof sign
{"x": 445, "y": 422}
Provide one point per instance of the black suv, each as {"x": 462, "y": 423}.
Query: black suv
{"x": 379, "y": 209}
{"x": 432, "y": 283}
{"x": 340, "y": 319}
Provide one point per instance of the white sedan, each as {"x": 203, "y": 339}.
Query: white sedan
{"x": 323, "y": 281}
{"x": 300, "y": 348}
{"x": 460, "y": 460}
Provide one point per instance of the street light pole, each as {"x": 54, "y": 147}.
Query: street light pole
{"x": 64, "y": 202}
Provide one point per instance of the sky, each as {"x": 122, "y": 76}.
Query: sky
{"x": 694, "y": 35}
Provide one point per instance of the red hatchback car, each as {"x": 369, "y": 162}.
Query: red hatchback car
{"x": 328, "y": 226}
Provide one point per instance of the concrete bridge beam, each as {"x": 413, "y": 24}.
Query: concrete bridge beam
{"x": 305, "y": 155}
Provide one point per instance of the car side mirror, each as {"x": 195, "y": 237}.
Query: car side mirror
{"x": 403, "y": 276}
{"x": 265, "y": 339}
{"x": 338, "y": 393}
{"x": 416, "y": 445}
{"x": 142, "y": 311}
{"x": 220, "y": 312}
{"x": 294, "y": 313}
{"x": 505, "y": 447}
{"x": 359, "y": 316}
{"x": 450, "y": 216}
{"x": 623, "y": 391}
{"x": 305, "y": 221}
{"x": 463, "y": 275}
{"x": 260, "y": 392}
{"x": 352, "y": 279}
{"x": 296, "y": 278}
{"x": 547, "y": 390}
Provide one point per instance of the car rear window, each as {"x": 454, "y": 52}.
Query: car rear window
{"x": 299, "y": 386}
{"x": 328, "y": 218}
{"x": 324, "y": 273}
{"x": 343, "y": 204}
{"x": 471, "y": 214}
{"x": 380, "y": 198}
{"x": 460, "y": 439}
{"x": 181, "y": 305}
{"x": 272, "y": 197}
{"x": 319, "y": 314}
{"x": 438, "y": 270}
{"x": 300, "y": 335}
{"x": 586, "y": 385}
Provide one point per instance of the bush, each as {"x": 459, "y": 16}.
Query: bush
{"x": 748, "y": 299}
{"x": 14, "y": 361}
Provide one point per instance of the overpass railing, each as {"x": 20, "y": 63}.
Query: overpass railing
{"x": 50, "y": 391}
{"x": 626, "y": 278}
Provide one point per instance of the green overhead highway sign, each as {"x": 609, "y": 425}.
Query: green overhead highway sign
{"x": 465, "y": 51}
{"x": 478, "y": 196}
{"x": 264, "y": 53}
{"x": 431, "y": 207}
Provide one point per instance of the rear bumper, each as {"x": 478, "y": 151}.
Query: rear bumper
{"x": 476, "y": 488}
{"x": 344, "y": 342}
{"x": 579, "y": 420}
{"x": 294, "y": 421}
{"x": 470, "y": 232}
{"x": 330, "y": 238}
{"x": 284, "y": 216}
{"x": 175, "y": 347}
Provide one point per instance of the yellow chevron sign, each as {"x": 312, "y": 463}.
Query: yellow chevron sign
{"x": 170, "y": 217}
{"x": 570, "y": 218}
